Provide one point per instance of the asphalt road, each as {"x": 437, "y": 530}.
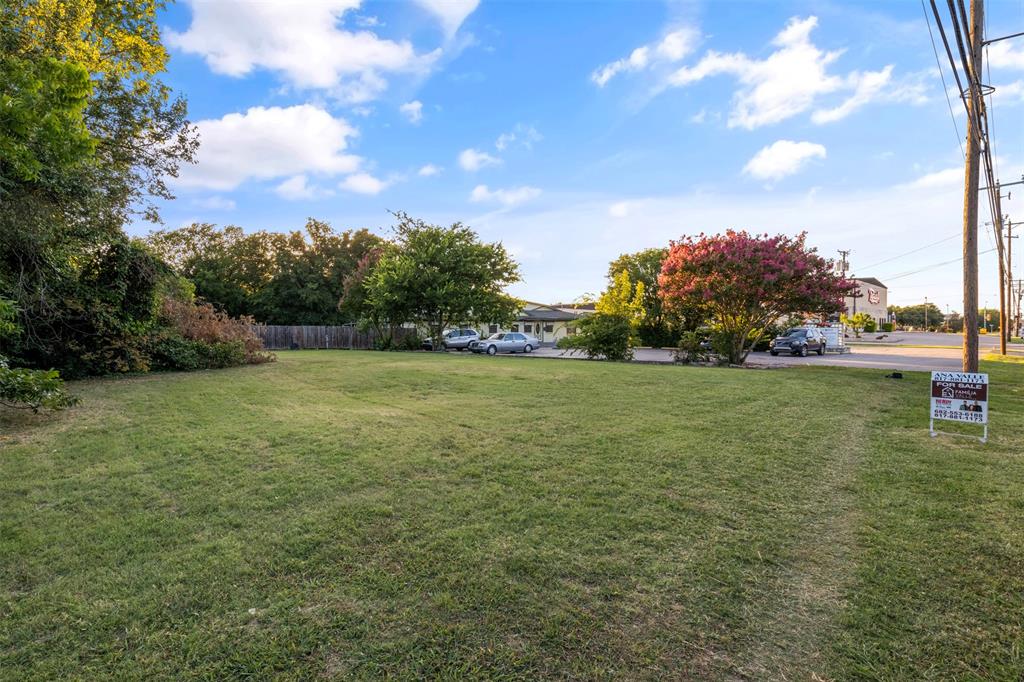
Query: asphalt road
{"x": 890, "y": 357}
{"x": 925, "y": 339}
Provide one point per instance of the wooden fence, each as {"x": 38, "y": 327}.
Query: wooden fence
{"x": 284, "y": 337}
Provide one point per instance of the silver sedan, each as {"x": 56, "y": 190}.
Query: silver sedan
{"x": 505, "y": 342}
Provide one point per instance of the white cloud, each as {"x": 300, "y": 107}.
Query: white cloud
{"x": 509, "y": 197}
{"x": 216, "y": 203}
{"x": 787, "y": 82}
{"x": 269, "y": 142}
{"x": 619, "y": 210}
{"x": 363, "y": 183}
{"x": 525, "y": 134}
{"x": 302, "y": 41}
{"x": 473, "y": 160}
{"x": 451, "y": 13}
{"x": 867, "y": 87}
{"x": 782, "y": 158}
{"x": 413, "y": 111}
{"x": 295, "y": 188}
{"x": 948, "y": 177}
{"x": 429, "y": 170}
{"x": 1005, "y": 54}
{"x": 671, "y": 48}
{"x": 699, "y": 117}
{"x": 504, "y": 140}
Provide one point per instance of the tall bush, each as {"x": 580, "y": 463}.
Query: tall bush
{"x": 602, "y": 336}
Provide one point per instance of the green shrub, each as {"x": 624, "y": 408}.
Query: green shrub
{"x": 173, "y": 353}
{"x": 870, "y": 327}
{"x": 691, "y": 348}
{"x": 33, "y": 388}
{"x": 887, "y": 326}
{"x": 602, "y": 335}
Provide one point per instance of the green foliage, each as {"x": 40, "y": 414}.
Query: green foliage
{"x": 602, "y": 336}
{"x": 27, "y": 388}
{"x": 623, "y": 298}
{"x": 294, "y": 278}
{"x": 887, "y": 326}
{"x": 691, "y": 348}
{"x": 33, "y": 389}
{"x": 658, "y": 327}
{"x": 176, "y": 353}
{"x": 440, "y": 276}
{"x": 856, "y": 323}
{"x": 870, "y": 327}
{"x": 915, "y": 315}
{"x": 42, "y": 127}
{"x": 86, "y": 295}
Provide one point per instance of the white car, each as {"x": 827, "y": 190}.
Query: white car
{"x": 505, "y": 342}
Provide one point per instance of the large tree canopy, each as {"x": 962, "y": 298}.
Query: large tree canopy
{"x": 278, "y": 278}
{"x": 746, "y": 282}
{"x": 441, "y": 276}
{"x": 88, "y": 136}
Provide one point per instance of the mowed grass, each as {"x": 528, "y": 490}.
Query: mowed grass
{"x": 364, "y": 515}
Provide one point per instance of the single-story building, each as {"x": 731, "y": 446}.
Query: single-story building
{"x": 871, "y": 297}
{"x": 548, "y": 323}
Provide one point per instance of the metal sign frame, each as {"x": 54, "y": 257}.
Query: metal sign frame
{"x": 959, "y": 397}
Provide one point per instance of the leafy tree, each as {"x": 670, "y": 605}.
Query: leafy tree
{"x": 624, "y": 298}
{"x": 65, "y": 197}
{"x": 915, "y": 315}
{"x": 42, "y": 126}
{"x": 441, "y": 276}
{"x": 856, "y": 322}
{"x": 293, "y": 278}
{"x": 605, "y": 336}
{"x": 658, "y": 327}
{"x": 27, "y": 388}
{"x": 746, "y": 282}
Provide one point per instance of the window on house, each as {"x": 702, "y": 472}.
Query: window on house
{"x": 569, "y": 331}
{"x": 515, "y": 327}
{"x": 493, "y": 329}
{"x": 549, "y": 327}
{"x": 528, "y": 328}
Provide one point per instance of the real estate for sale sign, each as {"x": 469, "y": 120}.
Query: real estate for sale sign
{"x": 960, "y": 397}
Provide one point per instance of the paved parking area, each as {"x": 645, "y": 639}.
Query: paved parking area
{"x": 875, "y": 357}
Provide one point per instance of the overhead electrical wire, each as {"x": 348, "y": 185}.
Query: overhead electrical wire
{"x": 942, "y": 77}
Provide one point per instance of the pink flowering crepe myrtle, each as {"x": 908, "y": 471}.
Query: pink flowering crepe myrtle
{"x": 745, "y": 282}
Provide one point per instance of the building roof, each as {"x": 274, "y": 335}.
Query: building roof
{"x": 870, "y": 280}
{"x": 549, "y": 315}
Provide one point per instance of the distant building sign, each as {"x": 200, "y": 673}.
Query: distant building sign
{"x": 873, "y": 296}
{"x": 960, "y": 397}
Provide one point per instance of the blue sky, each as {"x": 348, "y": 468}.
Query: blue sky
{"x": 573, "y": 131}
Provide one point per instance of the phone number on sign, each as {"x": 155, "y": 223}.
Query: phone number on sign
{"x": 958, "y": 415}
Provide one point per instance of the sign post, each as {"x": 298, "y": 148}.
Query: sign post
{"x": 959, "y": 397}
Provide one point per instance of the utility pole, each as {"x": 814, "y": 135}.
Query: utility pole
{"x": 1008, "y": 333}
{"x": 926, "y": 313}
{"x": 971, "y": 168}
{"x": 843, "y": 265}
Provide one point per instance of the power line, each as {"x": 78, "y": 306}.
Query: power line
{"x": 921, "y": 248}
{"x": 933, "y": 266}
{"x": 942, "y": 77}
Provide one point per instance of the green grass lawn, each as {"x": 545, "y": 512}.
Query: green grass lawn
{"x": 362, "y": 515}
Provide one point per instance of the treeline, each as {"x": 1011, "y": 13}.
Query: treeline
{"x": 88, "y": 136}
{"x": 295, "y": 277}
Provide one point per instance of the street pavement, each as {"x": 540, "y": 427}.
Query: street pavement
{"x": 889, "y": 357}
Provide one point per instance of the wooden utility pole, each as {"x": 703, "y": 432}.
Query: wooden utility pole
{"x": 1008, "y": 333}
{"x": 1002, "y": 291}
{"x": 971, "y": 168}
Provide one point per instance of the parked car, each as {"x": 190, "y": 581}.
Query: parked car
{"x": 799, "y": 342}
{"x": 506, "y": 342}
{"x": 454, "y": 339}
